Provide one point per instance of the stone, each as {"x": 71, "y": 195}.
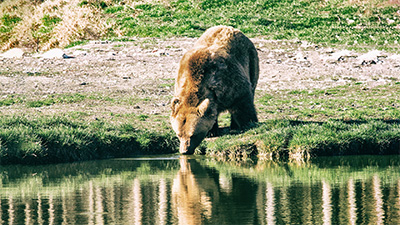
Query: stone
{"x": 13, "y": 53}
{"x": 55, "y": 54}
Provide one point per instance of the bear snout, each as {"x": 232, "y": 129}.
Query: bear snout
{"x": 186, "y": 148}
{"x": 188, "y": 145}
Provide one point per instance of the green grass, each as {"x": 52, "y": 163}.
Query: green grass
{"x": 351, "y": 119}
{"x": 299, "y": 124}
{"x": 356, "y": 25}
{"x": 44, "y": 100}
{"x": 294, "y": 125}
{"x": 54, "y": 139}
{"x": 44, "y": 30}
{"x": 56, "y": 99}
{"x": 8, "y": 22}
{"x": 330, "y": 22}
{"x": 68, "y": 98}
{"x": 76, "y": 43}
{"x": 349, "y": 102}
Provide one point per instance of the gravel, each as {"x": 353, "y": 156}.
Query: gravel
{"x": 147, "y": 68}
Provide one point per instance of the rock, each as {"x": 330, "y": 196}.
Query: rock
{"x": 299, "y": 57}
{"x": 394, "y": 57}
{"x": 368, "y": 62}
{"x": 159, "y": 52}
{"x": 338, "y": 56}
{"x": 55, "y": 54}
{"x": 329, "y": 50}
{"x": 305, "y": 44}
{"x": 100, "y": 42}
{"x": 390, "y": 21}
{"x": 65, "y": 56}
{"x": 111, "y": 54}
{"x": 79, "y": 52}
{"x": 13, "y": 53}
{"x": 342, "y": 54}
{"x": 372, "y": 57}
{"x": 349, "y": 21}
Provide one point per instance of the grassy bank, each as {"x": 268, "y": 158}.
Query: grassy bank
{"x": 298, "y": 124}
{"x": 300, "y": 140}
{"x": 60, "y": 139}
{"x": 41, "y": 25}
{"x": 295, "y": 125}
{"x": 38, "y": 140}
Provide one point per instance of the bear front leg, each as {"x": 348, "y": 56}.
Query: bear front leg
{"x": 243, "y": 114}
{"x": 214, "y": 130}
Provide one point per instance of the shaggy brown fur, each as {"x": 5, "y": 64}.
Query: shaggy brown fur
{"x": 220, "y": 73}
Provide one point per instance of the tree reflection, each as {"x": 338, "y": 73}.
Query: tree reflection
{"x": 197, "y": 193}
{"x": 351, "y": 202}
{"x": 326, "y": 203}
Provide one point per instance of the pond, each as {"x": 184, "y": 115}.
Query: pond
{"x": 173, "y": 189}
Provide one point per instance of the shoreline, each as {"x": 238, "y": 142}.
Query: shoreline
{"x": 60, "y": 140}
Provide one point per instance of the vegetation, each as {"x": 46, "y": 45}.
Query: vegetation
{"x": 345, "y": 120}
{"x": 296, "y": 124}
{"x": 298, "y": 140}
{"x": 354, "y": 101}
{"x": 60, "y": 139}
{"x": 41, "y": 25}
{"x": 58, "y": 23}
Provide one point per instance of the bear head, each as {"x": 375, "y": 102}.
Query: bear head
{"x": 192, "y": 123}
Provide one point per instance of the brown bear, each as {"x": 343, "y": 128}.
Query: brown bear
{"x": 219, "y": 73}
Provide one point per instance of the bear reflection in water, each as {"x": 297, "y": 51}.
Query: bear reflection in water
{"x": 201, "y": 195}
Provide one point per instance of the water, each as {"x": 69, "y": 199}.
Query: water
{"x": 198, "y": 190}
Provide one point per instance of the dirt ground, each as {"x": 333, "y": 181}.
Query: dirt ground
{"x": 146, "y": 68}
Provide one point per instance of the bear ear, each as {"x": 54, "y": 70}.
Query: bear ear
{"x": 202, "y": 108}
{"x": 174, "y": 103}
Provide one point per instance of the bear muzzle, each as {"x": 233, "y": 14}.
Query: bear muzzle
{"x": 188, "y": 145}
{"x": 186, "y": 148}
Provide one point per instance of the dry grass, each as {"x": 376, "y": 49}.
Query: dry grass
{"x": 52, "y": 23}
